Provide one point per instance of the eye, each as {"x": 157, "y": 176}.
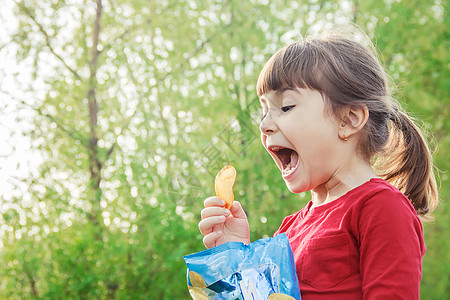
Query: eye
{"x": 263, "y": 115}
{"x": 287, "y": 108}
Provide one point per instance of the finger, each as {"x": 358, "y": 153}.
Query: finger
{"x": 210, "y": 240}
{"x": 214, "y": 211}
{"x": 237, "y": 210}
{"x": 206, "y": 225}
{"x": 214, "y": 201}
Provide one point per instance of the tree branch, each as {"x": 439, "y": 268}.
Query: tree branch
{"x": 92, "y": 99}
{"x": 72, "y": 133}
{"x": 47, "y": 38}
{"x": 95, "y": 165}
{"x": 132, "y": 28}
{"x": 162, "y": 78}
{"x": 355, "y": 11}
{"x": 32, "y": 284}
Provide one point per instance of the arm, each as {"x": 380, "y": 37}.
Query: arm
{"x": 391, "y": 247}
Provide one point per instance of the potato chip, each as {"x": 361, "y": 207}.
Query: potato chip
{"x": 224, "y": 185}
{"x": 197, "y": 293}
{"x": 279, "y": 296}
{"x": 196, "y": 280}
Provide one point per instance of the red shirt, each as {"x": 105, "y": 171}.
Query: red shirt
{"x": 368, "y": 244}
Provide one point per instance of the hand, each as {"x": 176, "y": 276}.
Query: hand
{"x": 220, "y": 225}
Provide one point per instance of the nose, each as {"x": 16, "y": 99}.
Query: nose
{"x": 267, "y": 125}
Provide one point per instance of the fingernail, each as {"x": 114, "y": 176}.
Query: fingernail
{"x": 226, "y": 212}
{"x": 222, "y": 202}
{"x": 219, "y": 232}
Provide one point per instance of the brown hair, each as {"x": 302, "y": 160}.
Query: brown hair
{"x": 349, "y": 73}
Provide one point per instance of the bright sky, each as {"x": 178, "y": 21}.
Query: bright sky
{"x": 17, "y": 159}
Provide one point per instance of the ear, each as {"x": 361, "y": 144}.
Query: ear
{"x": 353, "y": 119}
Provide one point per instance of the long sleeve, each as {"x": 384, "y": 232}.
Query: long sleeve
{"x": 391, "y": 247}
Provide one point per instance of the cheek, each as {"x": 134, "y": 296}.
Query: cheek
{"x": 292, "y": 130}
{"x": 263, "y": 139}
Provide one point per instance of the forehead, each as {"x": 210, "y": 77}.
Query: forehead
{"x": 277, "y": 95}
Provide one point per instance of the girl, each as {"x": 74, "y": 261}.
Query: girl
{"x": 332, "y": 129}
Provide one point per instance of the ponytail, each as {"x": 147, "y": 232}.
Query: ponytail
{"x": 407, "y": 163}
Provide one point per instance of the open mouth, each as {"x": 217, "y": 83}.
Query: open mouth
{"x": 288, "y": 158}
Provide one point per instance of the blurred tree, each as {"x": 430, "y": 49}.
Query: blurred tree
{"x": 145, "y": 101}
{"x": 413, "y": 37}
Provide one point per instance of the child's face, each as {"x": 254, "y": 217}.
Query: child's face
{"x": 301, "y": 137}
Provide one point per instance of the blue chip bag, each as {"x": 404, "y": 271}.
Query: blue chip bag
{"x": 261, "y": 270}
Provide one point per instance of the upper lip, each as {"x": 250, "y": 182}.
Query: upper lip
{"x": 273, "y": 147}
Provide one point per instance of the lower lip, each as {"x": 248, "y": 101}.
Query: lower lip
{"x": 288, "y": 176}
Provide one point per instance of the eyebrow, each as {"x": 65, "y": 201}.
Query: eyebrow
{"x": 281, "y": 91}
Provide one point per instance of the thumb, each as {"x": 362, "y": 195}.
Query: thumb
{"x": 237, "y": 211}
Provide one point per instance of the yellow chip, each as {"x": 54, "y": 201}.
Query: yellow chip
{"x": 197, "y": 293}
{"x": 279, "y": 296}
{"x": 196, "y": 280}
{"x": 224, "y": 185}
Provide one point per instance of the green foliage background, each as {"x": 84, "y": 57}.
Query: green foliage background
{"x": 171, "y": 85}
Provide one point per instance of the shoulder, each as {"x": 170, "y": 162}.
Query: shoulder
{"x": 388, "y": 214}
{"x": 379, "y": 195}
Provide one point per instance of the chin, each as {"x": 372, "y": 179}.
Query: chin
{"x": 296, "y": 189}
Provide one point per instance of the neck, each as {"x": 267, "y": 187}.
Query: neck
{"x": 344, "y": 180}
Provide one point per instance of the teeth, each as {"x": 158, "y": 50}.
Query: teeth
{"x": 289, "y": 168}
{"x": 287, "y": 171}
{"x": 276, "y": 148}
